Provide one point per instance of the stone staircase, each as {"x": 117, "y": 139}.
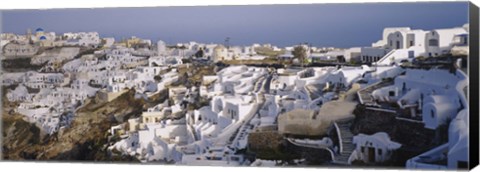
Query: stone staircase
{"x": 345, "y": 140}
{"x": 194, "y": 133}
{"x": 365, "y": 94}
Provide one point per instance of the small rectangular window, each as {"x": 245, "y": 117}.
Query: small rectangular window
{"x": 391, "y": 93}
{"x": 462, "y": 165}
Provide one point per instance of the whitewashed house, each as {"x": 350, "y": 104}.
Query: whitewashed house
{"x": 108, "y": 42}
{"x": 437, "y": 109}
{"x": 346, "y": 76}
{"x": 220, "y": 53}
{"x": 386, "y": 32}
{"x": 404, "y": 45}
{"x": 161, "y": 48}
{"x": 233, "y": 107}
{"x": 43, "y": 80}
{"x": 353, "y": 54}
{"x": 371, "y": 54}
{"x": 12, "y": 78}
{"x": 440, "y": 41}
{"x": 452, "y": 155}
{"x": 436, "y": 99}
{"x": 206, "y": 123}
{"x": 19, "y": 94}
{"x": 90, "y": 39}
{"x": 376, "y": 148}
{"x": 408, "y": 44}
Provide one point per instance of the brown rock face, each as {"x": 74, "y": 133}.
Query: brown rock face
{"x": 83, "y": 140}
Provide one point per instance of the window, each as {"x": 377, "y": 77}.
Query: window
{"x": 411, "y": 43}
{"x": 379, "y": 151}
{"x": 362, "y": 149}
{"x": 391, "y": 93}
{"x": 411, "y": 54}
{"x": 462, "y": 165}
{"x": 432, "y": 42}
{"x": 432, "y": 113}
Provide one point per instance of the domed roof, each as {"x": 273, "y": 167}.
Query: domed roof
{"x": 43, "y": 38}
{"x": 39, "y": 30}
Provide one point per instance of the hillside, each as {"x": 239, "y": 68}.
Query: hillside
{"x": 87, "y": 137}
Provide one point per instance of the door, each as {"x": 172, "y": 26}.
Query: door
{"x": 411, "y": 54}
{"x": 371, "y": 154}
{"x": 462, "y": 165}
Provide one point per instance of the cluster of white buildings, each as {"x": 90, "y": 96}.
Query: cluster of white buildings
{"x": 187, "y": 139}
{"x": 28, "y": 44}
{"x": 406, "y": 43}
{"x": 48, "y": 99}
{"x": 90, "y": 39}
{"x": 434, "y": 98}
{"x": 437, "y": 98}
{"x": 214, "y": 52}
{"x": 244, "y": 99}
{"x": 398, "y": 44}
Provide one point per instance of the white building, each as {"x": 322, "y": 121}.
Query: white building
{"x": 19, "y": 94}
{"x": 407, "y": 44}
{"x": 386, "y": 32}
{"x": 436, "y": 99}
{"x": 374, "y": 148}
{"x": 233, "y": 107}
{"x": 220, "y": 53}
{"x": 440, "y": 41}
{"x": 353, "y": 54}
{"x": 90, "y": 39}
{"x": 452, "y": 155}
{"x": 438, "y": 109}
{"x": 108, "y": 42}
{"x": 161, "y": 48}
{"x": 43, "y": 80}
{"x": 371, "y": 54}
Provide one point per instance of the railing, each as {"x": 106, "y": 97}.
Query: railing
{"x": 415, "y": 162}
{"x": 339, "y": 134}
{"x": 385, "y": 56}
{"x": 332, "y": 154}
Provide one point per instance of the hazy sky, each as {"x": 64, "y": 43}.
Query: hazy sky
{"x": 340, "y": 25}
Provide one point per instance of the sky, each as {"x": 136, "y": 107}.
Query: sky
{"x": 338, "y": 25}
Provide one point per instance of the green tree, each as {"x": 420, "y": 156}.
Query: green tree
{"x": 300, "y": 53}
